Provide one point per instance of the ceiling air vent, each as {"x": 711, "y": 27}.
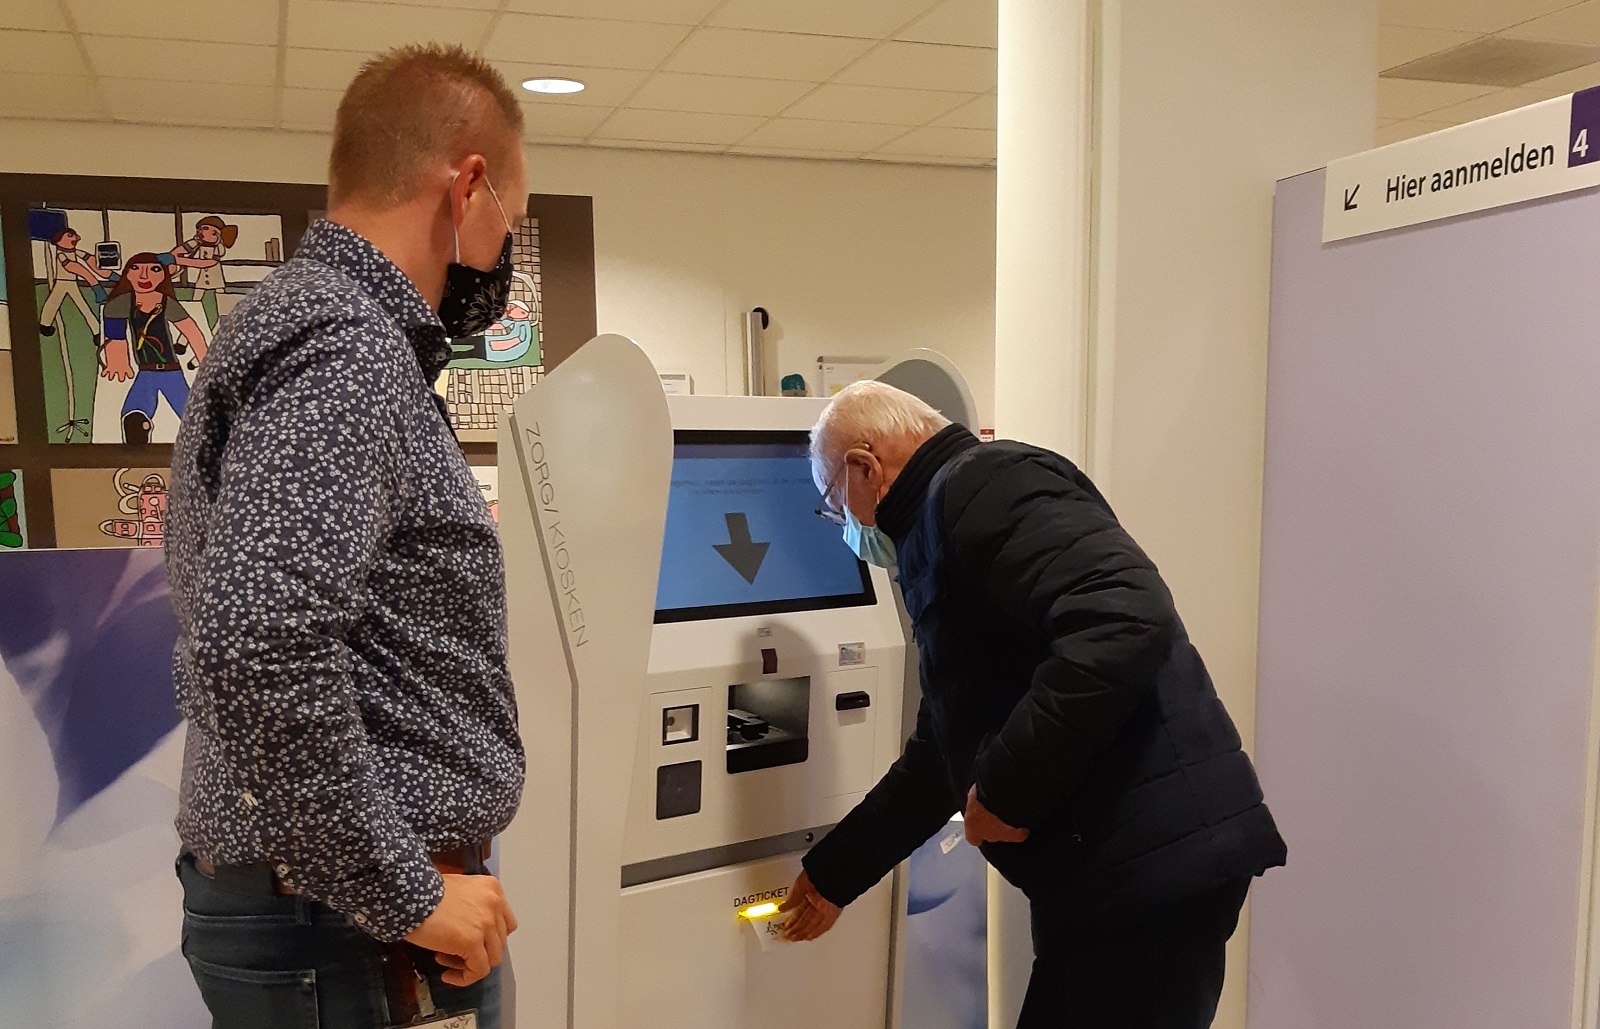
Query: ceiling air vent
{"x": 1498, "y": 61}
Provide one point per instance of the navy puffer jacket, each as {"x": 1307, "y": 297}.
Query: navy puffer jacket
{"x": 1056, "y": 676}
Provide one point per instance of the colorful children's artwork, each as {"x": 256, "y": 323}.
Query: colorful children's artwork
{"x": 8, "y": 394}
{"x": 128, "y": 302}
{"x": 488, "y": 477}
{"x": 13, "y": 516}
{"x": 110, "y": 507}
{"x": 489, "y": 372}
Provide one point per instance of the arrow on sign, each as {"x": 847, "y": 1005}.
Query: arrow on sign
{"x": 744, "y": 555}
{"x": 1350, "y": 198}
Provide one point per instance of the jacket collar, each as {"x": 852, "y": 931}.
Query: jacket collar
{"x": 898, "y": 510}
{"x": 351, "y": 253}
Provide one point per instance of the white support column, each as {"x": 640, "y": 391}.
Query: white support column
{"x": 1042, "y": 222}
{"x": 1043, "y": 285}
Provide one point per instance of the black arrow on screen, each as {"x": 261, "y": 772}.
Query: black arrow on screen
{"x": 1350, "y": 198}
{"x": 739, "y": 551}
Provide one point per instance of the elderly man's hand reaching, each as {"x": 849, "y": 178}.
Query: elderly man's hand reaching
{"x": 812, "y": 914}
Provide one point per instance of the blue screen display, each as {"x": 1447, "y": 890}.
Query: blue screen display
{"x": 743, "y": 536}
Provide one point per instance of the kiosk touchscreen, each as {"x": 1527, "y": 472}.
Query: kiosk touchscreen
{"x": 708, "y": 679}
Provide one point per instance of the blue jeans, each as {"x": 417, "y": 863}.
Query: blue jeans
{"x": 264, "y": 961}
{"x": 148, "y": 387}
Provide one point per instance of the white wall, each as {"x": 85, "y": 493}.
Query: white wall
{"x": 1213, "y": 103}
{"x": 849, "y": 259}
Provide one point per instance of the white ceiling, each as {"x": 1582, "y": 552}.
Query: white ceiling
{"x": 886, "y": 80}
{"x": 1413, "y": 29}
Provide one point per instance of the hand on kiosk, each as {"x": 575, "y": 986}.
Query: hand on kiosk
{"x": 983, "y": 826}
{"x": 467, "y": 931}
{"x": 813, "y": 914}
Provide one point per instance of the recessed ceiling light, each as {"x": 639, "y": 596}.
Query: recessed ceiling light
{"x": 553, "y": 86}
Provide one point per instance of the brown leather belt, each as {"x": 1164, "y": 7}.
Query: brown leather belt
{"x": 461, "y": 861}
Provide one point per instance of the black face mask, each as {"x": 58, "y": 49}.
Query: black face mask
{"x": 475, "y": 299}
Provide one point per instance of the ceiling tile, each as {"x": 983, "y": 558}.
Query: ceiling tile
{"x": 822, "y": 155}
{"x": 672, "y": 12}
{"x": 149, "y": 100}
{"x": 836, "y": 102}
{"x": 350, "y": 25}
{"x": 1397, "y": 131}
{"x": 1580, "y": 24}
{"x": 1398, "y": 45}
{"x": 310, "y": 108}
{"x": 555, "y": 140}
{"x": 603, "y": 87}
{"x": 875, "y": 20}
{"x": 1498, "y": 102}
{"x": 797, "y": 134}
{"x": 50, "y": 96}
{"x": 52, "y": 53}
{"x": 771, "y": 55}
{"x": 218, "y": 21}
{"x": 1568, "y": 81}
{"x": 117, "y": 58}
{"x": 1477, "y": 16}
{"x": 457, "y": 5}
{"x": 1407, "y": 98}
{"x": 961, "y": 22}
{"x": 44, "y": 15}
{"x": 717, "y": 94}
{"x": 945, "y": 142}
{"x": 551, "y": 120}
{"x": 678, "y": 126}
{"x": 583, "y": 41}
{"x": 976, "y": 114}
{"x": 960, "y": 162}
{"x": 322, "y": 69}
{"x": 657, "y": 144}
{"x": 925, "y": 66}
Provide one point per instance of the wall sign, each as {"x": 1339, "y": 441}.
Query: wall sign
{"x": 1536, "y": 151}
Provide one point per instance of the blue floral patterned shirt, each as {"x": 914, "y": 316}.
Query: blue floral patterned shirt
{"x": 340, "y": 594}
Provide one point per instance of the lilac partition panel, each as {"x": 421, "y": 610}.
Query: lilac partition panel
{"x": 1428, "y": 603}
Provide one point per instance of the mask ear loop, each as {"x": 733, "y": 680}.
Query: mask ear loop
{"x": 498, "y": 204}
{"x": 455, "y": 230}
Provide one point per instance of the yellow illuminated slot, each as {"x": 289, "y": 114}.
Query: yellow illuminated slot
{"x": 759, "y": 910}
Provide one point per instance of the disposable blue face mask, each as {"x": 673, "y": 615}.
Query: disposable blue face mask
{"x": 870, "y": 543}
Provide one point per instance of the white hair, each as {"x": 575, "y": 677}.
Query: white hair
{"x": 870, "y": 412}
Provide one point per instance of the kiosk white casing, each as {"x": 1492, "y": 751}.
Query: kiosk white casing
{"x": 629, "y": 884}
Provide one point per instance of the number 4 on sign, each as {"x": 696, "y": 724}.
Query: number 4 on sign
{"x": 1585, "y": 116}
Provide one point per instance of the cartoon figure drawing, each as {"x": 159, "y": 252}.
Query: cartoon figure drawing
{"x": 143, "y": 318}
{"x": 68, "y": 271}
{"x": 503, "y": 342}
{"x": 146, "y": 501}
{"x": 201, "y": 255}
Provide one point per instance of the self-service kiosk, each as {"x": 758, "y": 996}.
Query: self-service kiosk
{"x": 708, "y": 679}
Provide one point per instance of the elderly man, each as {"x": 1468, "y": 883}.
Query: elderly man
{"x": 1064, "y": 711}
{"x": 352, "y": 734}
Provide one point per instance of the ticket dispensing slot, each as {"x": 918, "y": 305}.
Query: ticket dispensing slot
{"x": 767, "y": 723}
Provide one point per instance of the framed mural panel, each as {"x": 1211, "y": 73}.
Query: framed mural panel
{"x": 112, "y": 290}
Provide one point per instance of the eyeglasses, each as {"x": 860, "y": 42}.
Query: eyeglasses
{"x": 826, "y": 511}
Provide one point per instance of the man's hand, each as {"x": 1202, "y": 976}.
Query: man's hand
{"x": 983, "y": 827}
{"x": 813, "y": 914}
{"x": 468, "y": 930}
